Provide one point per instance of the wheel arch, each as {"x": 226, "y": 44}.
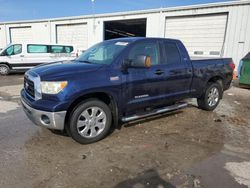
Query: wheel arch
{"x": 216, "y": 78}
{"x": 102, "y": 96}
{"x": 5, "y": 63}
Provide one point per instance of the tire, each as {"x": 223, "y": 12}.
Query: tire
{"x": 4, "y": 69}
{"x": 211, "y": 97}
{"x": 94, "y": 119}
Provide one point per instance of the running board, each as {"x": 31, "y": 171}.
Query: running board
{"x": 155, "y": 112}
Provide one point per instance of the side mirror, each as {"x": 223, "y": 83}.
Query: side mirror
{"x": 140, "y": 61}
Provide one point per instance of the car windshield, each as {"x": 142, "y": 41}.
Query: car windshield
{"x": 103, "y": 53}
{"x": 2, "y": 52}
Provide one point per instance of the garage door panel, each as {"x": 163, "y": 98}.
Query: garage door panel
{"x": 190, "y": 27}
{"x": 198, "y": 22}
{"x": 74, "y": 34}
{"x": 216, "y": 40}
{"x": 205, "y": 18}
{"x": 202, "y": 32}
{"x": 188, "y": 33}
{"x": 199, "y": 33}
{"x": 198, "y": 27}
{"x": 20, "y": 34}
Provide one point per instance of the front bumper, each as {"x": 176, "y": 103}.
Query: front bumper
{"x": 51, "y": 120}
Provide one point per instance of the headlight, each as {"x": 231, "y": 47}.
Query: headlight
{"x": 53, "y": 87}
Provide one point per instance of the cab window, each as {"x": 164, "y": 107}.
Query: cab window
{"x": 172, "y": 53}
{"x": 146, "y": 49}
{"x": 12, "y": 50}
{"x": 36, "y": 48}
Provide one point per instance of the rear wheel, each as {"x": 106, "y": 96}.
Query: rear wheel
{"x": 90, "y": 121}
{"x": 4, "y": 69}
{"x": 211, "y": 97}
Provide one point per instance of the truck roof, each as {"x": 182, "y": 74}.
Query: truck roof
{"x": 133, "y": 39}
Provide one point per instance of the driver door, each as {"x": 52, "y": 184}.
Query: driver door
{"x": 144, "y": 85}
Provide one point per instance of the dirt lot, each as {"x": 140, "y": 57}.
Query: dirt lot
{"x": 187, "y": 148}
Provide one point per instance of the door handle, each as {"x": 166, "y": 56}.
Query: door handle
{"x": 159, "y": 72}
{"x": 21, "y": 55}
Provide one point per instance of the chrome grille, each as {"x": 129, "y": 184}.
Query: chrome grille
{"x": 29, "y": 86}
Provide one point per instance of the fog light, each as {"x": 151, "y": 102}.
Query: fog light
{"x": 45, "y": 120}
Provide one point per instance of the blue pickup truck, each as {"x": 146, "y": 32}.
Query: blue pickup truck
{"x": 118, "y": 81}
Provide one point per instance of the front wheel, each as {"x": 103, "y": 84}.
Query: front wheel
{"x": 211, "y": 97}
{"x": 4, "y": 69}
{"x": 90, "y": 121}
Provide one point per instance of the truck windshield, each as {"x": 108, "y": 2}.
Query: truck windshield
{"x": 103, "y": 53}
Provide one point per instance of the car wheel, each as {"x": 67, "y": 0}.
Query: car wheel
{"x": 4, "y": 69}
{"x": 90, "y": 121}
{"x": 211, "y": 97}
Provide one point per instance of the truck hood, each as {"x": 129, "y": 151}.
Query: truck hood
{"x": 61, "y": 69}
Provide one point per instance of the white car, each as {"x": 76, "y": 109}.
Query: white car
{"x": 21, "y": 57}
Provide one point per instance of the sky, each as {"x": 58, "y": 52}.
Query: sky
{"x": 14, "y": 10}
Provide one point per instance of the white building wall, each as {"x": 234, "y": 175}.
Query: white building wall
{"x": 237, "y": 42}
{"x": 237, "y": 38}
{"x": 39, "y": 32}
{"x": 3, "y": 35}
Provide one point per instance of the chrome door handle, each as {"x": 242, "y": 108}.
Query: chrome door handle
{"x": 159, "y": 72}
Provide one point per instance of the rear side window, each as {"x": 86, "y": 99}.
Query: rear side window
{"x": 68, "y": 49}
{"x": 57, "y": 49}
{"x": 61, "y": 49}
{"x": 172, "y": 53}
{"x": 35, "y": 48}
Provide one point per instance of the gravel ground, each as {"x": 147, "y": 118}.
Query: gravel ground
{"x": 186, "y": 148}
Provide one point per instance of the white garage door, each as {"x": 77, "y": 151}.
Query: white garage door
{"x": 74, "y": 34}
{"x": 202, "y": 35}
{"x": 21, "y": 34}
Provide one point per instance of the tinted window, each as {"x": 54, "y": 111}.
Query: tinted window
{"x": 35, "y": 48}
{"x": 17, "y": 49}
{"x": 61, "y": 49}
{"x": 146, "y": 49}
{"x": 12, "y": 50}
{"x": 172, "y": 53}
{"x": 68, "y": 49}
{"x": 57, "y": 49}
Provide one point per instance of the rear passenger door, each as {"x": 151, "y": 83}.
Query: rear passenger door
{"x": 177, "y": 69}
